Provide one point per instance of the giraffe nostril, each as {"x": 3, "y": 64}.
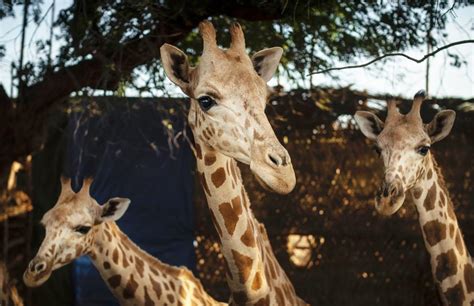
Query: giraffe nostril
{"x": 275, "y": 159}
{"x": 40, "y": 267}
{"x": 393, "y": 190}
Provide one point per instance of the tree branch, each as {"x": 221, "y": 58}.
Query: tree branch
{"x": 461, "y": 42}
{"x": 21, "y": 127}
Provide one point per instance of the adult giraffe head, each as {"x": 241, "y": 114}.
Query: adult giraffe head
{"x": 69, "y": 229}
{"x": 228, "y": 94}
{"x": 403, "y": 142}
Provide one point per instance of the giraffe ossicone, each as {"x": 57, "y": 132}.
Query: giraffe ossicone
{"x": 404, "y": 143}
{"x": 77, "y": 225}
{"x": 228, "y": 94}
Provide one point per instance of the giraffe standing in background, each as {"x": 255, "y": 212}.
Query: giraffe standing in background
{"x": 404, "y": 142}
{"x": 228, "y": 94}
{"x": 8, "y": 292}
{"x": 78, "y": 226}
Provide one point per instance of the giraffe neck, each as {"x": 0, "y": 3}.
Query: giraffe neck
{"x": 253, "y": 273}
{"x": 137, "y": 278}
{"x": 451, "y": 263}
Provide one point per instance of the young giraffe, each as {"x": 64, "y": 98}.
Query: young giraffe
{"x": 228, "y": 94}
{"x": 78, "y": 226}
{"x": 404, "y": 144}
{"x": 8, "y": 292}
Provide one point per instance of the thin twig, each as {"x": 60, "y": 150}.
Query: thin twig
{"x": 451, "y": 9}
{"x": 461, "y": 42}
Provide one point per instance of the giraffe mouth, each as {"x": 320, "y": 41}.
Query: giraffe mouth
{"x": 390, "y": 198}
{"x": 281, "y": 182}
{"x": 36, "y": 279}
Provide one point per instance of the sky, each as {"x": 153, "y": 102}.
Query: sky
{"x": 396, "y": 76}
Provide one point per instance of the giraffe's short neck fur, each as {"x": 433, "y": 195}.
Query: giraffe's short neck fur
{"x": 452, "y": 266}
{"x": 253, "y": 273}
{"x": 136, "y": 278}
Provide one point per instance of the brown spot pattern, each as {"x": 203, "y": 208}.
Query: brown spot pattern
{"x": 455, "y": 294}
{"x": 257, "y": 281}
{"x": 435, "y": 231}
{"x": 417, "y": 193}
{"x": 115, "y": 256}
{"x": 114, "y": 281}
{"x": 209, "y": 159}
{"x": 469, "y": 277}
{"x": 130, "y": 288}
{"x": 446, "y": 265}
{"x": 451, "y": 230}
{"x": 279, "y": 297}
{"x": 218, "y": 177}
{"x": 198, "y": 151}
{"x": 147, "y": 298}
{"x": 265, "y": 301}
{"x": 247, "y": 237}
{"x": 156, "y": 287}
{"x": 139, "y": 266}
{"x": 231, "y": 215}
{"x": 442, "y": 198}
{"x": 429, "y": 203}
{"x": 429, "y": 175}
{"x": 124, "y": 259}
{"x": 244, "y": 264}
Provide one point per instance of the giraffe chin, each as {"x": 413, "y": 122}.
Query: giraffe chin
{"x": 281, "y": 184}
{"x": 389, "y": 205}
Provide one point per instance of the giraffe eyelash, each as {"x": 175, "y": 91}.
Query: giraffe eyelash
{"x": 377, "y": 150}
{"x": 82, "y": 229}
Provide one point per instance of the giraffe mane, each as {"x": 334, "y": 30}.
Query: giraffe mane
{"x": 441, "y": 180}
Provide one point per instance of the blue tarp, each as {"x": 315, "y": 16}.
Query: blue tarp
{"x": 124, "y": 145}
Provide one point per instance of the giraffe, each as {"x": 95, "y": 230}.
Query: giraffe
{"x": 78, "y": 226}
{"x": 404, "y": 142}
{"x": 8, "y": 291}
{"x": 228, "y": 95}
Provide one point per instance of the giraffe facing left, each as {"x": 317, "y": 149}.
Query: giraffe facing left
{"x": 77, "y": 225}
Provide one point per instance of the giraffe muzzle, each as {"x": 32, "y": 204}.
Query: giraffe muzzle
{"x": 273, "y": 168}
{"x": 37, "y": 272}
{"x": 390, "y": 197}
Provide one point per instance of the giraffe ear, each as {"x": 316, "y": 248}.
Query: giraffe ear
{"x": 266, "y": 61}
{"x": 114, "y": 209}
{"x": 441, "y": 125}
{"x": 176, "y": 65}
{"x": 370, "y": 125}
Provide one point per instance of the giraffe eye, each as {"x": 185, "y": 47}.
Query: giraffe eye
{"x": 82, "y": 229}
{"x": 423, "y": 150}
{"x": 377, "y": 150}
{"x": 206, "y": 102}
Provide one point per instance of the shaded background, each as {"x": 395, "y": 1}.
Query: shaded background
{"x": 66, "y": 66}
{"x": 325, "y": 234}
{"x": 123, "y": 145}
